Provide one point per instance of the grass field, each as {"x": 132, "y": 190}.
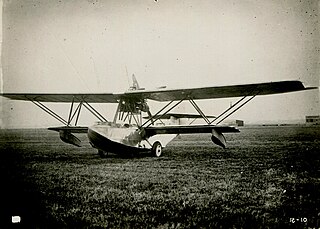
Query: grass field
{"x": 267, "y": 177}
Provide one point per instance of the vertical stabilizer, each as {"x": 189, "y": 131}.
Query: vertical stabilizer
{"x": 135, "y": 84}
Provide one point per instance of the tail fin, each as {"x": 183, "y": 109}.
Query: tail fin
{"x": 135, "y": 84}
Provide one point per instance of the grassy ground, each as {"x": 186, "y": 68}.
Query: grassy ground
{"x": 267, "y": 177}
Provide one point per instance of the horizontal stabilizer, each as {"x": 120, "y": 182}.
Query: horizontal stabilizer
{"x": 179, "y": 115}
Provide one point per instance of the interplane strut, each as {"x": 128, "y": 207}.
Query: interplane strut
{"x": 233, "y": 108}
{"x": 72, "y": 113}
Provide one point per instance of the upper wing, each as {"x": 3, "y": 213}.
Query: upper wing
{"x": 90, "y": 98}
{"x": 220, "y": 91}
{"x": 169, "y": 95}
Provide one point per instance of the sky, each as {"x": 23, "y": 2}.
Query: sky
{"x": 94, "y": 46}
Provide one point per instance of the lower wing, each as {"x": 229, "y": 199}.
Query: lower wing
{"x": 190, "y": 129}
{"x": 216, "y": 131}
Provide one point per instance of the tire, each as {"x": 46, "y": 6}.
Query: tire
{"x": 102, "y": 153}
{"x": 156, "y": 149}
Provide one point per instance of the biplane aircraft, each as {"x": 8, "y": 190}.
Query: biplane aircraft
{"x": 129, "y": 132}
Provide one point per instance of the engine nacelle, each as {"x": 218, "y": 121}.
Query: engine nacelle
{"x": 218, "y": 138}
{"x": 68, "y": 137}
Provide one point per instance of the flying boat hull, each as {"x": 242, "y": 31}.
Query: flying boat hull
{"x": 115, "y": 138}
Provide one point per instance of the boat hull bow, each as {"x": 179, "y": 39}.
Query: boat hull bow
{"x": 115, "y": 139}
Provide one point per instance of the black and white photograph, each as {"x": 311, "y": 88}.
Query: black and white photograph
{"x": 160, "y": 114}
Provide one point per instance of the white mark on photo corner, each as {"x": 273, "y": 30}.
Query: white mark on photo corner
{"x": 16, "y": 219}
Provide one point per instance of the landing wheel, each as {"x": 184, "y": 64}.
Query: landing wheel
{"x": 156, "y": 149}
{"x": 102, "y": 154}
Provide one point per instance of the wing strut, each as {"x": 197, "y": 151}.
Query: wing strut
{"x": 233, "y": 106}
{"x": 199, "y": 110}
{"x": 132, "y": 115}
{"x": 158, "y": 118}
{"x": 72, "y": 113}
{"x": 94, "y": 112}
{"x": 49, "y": 111}
{"x": 77, "y": 111}
{"x": 79, "y": 106}
{"x": 71, "y": 108}
{"x": 157, "y": 114}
